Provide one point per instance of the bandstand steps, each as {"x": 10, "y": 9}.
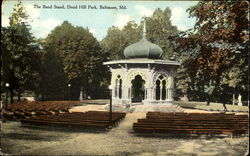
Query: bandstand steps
{"x": 158, "y": 108}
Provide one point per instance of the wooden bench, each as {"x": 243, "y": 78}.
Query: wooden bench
{"x": 87, "y": 119}
{"x": 42, "y": 108}
{"x": 193, "y": 123}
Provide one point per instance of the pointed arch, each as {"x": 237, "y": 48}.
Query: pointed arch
{"x": 133, "y": 73}
{"x": 118, "y": 87}
{"x": 162, "y": 83}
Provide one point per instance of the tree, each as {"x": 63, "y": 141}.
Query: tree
{"x": 19, "y": 53}
{"x": 123, "y": 38}
{"x": 158, "y": 26}
{"x": 159, "y": 29}
{"x": 78, "y": 57}
{"x": 182, "y": 81}
{"x": 53, "y": 80}
{"x": 218, "y": 43}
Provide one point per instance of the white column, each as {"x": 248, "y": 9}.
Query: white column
{"x": 154, "y": 93}
{"x": 113, "y": 92}
{"x": 129, "y": 93}
{"x": 239, "y": 100}
{"x": 166, "y": 93}
{"x": 148, "y": 93}
{"x": 124, "y": 92}
{"x": 118, "y": 90}
{"x": 160, "y": 90}
{"x": 170, "y": 93}
{"x": 172, "y": 85}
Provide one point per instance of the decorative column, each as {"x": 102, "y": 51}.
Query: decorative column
{"x": 172, "y": 86}
{"x": 113, "y": 92}
{"x": 239, "y": 100}
{"x": 154, "y": 93}
{"x": 160, "y": 90}
{"x": 124, "y": 92}
{"x": 167, "y": 94}
{"x": 118, "y": 90}
{"x": 148, "y": 93}
{"x": 170, "y": 94}
{"x": 129, "y": 93}
{"x": 115, "y": 88}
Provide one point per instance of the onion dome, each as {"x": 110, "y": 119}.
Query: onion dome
{"x": 143, "y": 49}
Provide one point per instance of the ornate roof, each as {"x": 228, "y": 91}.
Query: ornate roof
{"x": 143, "y": 61}
{"x": 143, "y": 49}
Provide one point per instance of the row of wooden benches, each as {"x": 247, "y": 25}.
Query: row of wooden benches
{"x": 22, "y": 110}
{"x": 19, "y": 114}
{"x": 42, "y": 106}
{"x": 193, "y": 123}
{"x": 97, "y": 119}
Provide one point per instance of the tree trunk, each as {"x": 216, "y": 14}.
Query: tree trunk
{"x": 233, "y": 99}
{"x": 208, "y": 100}
{"x": 11, "y": 95}
{"x": 85, "y": 94}
{"x": 19, "y": 96}
{"x": 42, "y": 97}
{"x": 224, "y": 105}
{"x": 6, "y": 100}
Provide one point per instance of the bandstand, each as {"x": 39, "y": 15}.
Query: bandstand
{"x": 143, "y": 76}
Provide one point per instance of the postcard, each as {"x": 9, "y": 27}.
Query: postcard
{"x": 124, "y": 77}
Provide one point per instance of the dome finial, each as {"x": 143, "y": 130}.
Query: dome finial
{"x": 144, "y": 28}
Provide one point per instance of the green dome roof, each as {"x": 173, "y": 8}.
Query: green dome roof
{"x": 143, "y": 49}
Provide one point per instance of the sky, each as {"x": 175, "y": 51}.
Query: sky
{"x": 44, "y": 19}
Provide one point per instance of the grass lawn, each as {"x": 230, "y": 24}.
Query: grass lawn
{"x": 211, "y": 107}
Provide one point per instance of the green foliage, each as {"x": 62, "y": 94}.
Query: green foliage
{"x": 158, "y": 26}
{"x": 19, "y": 15}
{"x": 78, "y": 48}
{"x": 53, "y": 80}
{"x": 72, "y": 56}
{"x": 209, "y": 88}
{"x": 159, "y": 29}
{"x": 215, "y": 53}
{"x": 117, "y": 40}
{"x": 182, "y": 81}
{"x": 20, "y": 55}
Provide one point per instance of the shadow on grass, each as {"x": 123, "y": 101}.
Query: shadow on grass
{"x": 65, "y": 129}
{"x": 211, "y": 107}
{"x": 185, "y": 136}
{"x": 26, "y": 136}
